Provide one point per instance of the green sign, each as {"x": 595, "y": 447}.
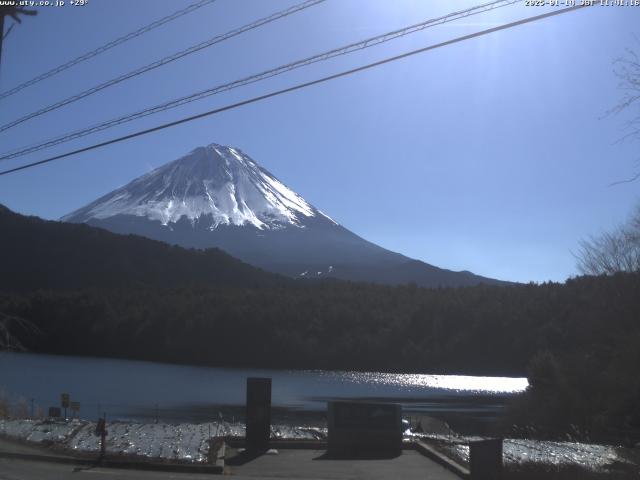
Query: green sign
{"x": 64, "y": 400}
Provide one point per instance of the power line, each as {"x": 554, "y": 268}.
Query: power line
{"x": 367, "y": 43}
{"x": 164, "y": 61}
{"x": 107, "y": 46}
{"x": 300, "y": 86}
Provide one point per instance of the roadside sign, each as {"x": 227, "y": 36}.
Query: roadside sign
{"x": 54, "y": 412}
{"x": 64, "y": 400}
{"x": 75, "y": 406}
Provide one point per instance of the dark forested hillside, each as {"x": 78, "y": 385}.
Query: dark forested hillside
{"x": 481, "y": 330}
{"x": 578, "y": 342}
{"x": 35, "y": 253}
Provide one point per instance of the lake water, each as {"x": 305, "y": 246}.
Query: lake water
{"x": 130, "y": 390}
{"x": 137, "y": 390}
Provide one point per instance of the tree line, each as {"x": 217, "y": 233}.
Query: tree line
{"x": 577, "y": 342}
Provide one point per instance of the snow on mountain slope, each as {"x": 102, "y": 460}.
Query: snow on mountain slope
{"x": 217, "y": 181}
{"x": 217, "y": 196}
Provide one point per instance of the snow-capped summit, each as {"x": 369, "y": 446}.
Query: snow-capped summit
{"x": 216, "y": 182}
{"x": 217, "y": 196}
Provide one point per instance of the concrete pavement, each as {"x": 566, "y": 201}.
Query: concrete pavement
{"x": 290, "y": 464}
{"x": 31, "y": 470}
{"x": 312, "y": 465}
{"x": 295, "y": 464}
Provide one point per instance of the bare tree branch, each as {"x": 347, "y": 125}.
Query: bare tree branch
{"x": 15, "y": 11}
{"x": 628, "y": 180}
{"x": 611, "y": 252}
{"x": 627, "y": 69}
{"x": 9, "y": 326}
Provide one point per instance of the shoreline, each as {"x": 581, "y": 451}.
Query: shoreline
{"x": 190, "y": 443}
{"x": 510, "y": 374}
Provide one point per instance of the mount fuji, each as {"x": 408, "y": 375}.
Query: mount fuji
{"x": 217, "y": 196}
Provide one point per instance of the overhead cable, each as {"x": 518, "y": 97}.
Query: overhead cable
{"x": 107, "y": 46}
{"x": 298, "y": 87}
{"x": 361, "y": 45}
{"x": 163, "y": 61}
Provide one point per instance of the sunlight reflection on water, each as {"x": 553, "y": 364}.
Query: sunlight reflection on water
{"x": 458, "y": 383}
{"x": 130, "y": 389}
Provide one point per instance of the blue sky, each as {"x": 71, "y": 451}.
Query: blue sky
{"x": 492, "y": 155}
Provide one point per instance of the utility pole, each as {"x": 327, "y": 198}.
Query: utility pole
{"x": 101, "y": 431}
{"x": 103, "y": 436}
{"x": 1, "y": 33}
{"x": 14, "y": 12}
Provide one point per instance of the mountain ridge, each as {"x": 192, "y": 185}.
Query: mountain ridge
{"x": 47, "y": 254}
{"x": 218, "y": 196}
{"x": 214, "y": 180}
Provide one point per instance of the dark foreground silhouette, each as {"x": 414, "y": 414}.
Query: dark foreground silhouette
{"x": 578, "y": 342}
